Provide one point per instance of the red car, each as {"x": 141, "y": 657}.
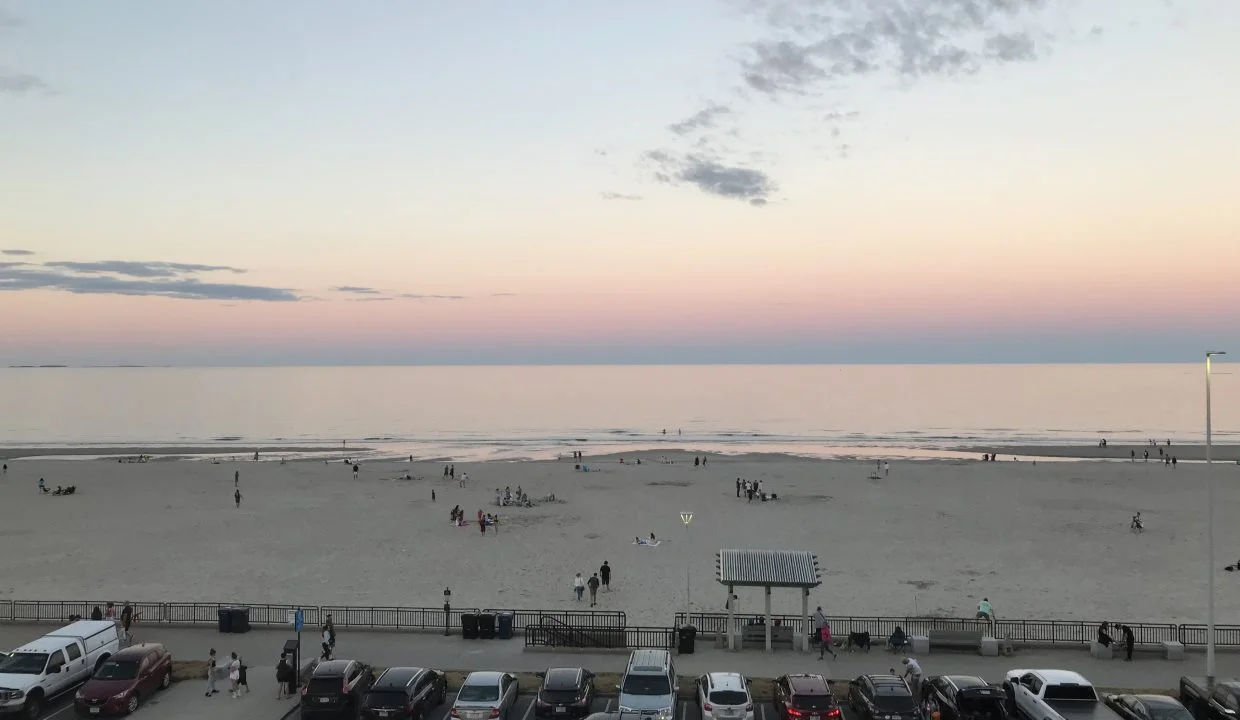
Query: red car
{"x": 124, "y": 680}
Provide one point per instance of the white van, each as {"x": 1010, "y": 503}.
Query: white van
{"x": 54, "y": 664}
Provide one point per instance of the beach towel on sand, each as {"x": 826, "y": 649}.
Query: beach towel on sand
{"x": 647, "y": 543}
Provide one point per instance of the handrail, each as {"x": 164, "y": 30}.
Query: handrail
{"x": 581, "y": 635}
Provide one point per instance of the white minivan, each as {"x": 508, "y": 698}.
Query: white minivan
{"x": 54, "y": 664}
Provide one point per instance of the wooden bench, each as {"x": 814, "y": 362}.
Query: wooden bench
{"x": 754, "y": 636}
{"x": 955, "y": 639}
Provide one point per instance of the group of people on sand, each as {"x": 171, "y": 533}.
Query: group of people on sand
{"x": 457, "y": 517}
{"x": 752, "y": 489}
{"x": 506, "y": 497}
{"x": 58, "y": 491}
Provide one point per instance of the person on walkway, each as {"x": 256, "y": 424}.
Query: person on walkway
{"x": 242, "y": 682}
{"x": 1129, "y": 641}
{"x": 284, "y": 676}
{"x": 985, "y": 611}
{"x": 234, "y": 675}
{"x": 211, "y": 668}
{"x": 593, "y": 584}
{"x": 824, "y": 637}
{"x": 109, "y": 612}
{"x": 579, "y": 586}
{"x": 604, "y": 574}
{"x": 127, "y": 620}
{"x": 819, "y": 619}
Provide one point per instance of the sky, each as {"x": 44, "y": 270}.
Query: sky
{"x": 700, "y": 181}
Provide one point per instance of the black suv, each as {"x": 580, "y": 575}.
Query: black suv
{"x": 565, "y": 693}
{"x": 335, "y": 689}
{"x": 805, "y": 697}
{"x": 405, "y": 692}
{"x": 886, "y": 697}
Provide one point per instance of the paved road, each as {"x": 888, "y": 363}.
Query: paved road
{"x": 524, "y": 709}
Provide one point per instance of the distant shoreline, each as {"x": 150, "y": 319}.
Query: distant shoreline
{"x": 1187, "y": 453}
{"x": 160, "y": 452}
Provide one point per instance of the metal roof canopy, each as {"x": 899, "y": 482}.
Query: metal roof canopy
{"x": 768, "y": 568}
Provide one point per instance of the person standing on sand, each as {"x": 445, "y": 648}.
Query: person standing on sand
{"x": 236, "y": 478}
{"x": 6, "y": 469}
{"x": 211, "y": 667}
{"x": 593, "y": 584}
{"x": 354, "y": 471}
{"x": 445, "y": 471}
{"x": 579, "y": 586}
{"x": 237, "y": 497}
{"x": 432, "y": 494}
{"x": 738, "y": 487}
{"x": 452, "y": 471}
{"x": 886, "y": 468}
{"x": 604, "y": 574}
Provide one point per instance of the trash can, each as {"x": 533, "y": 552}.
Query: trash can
{"x": 240, "y": 620}
{"x": 469, "y": 626}
{"x": 504, "y": 620}
{"x": 686, "y": 636}
{"x": 486, "y": 626}
{"x": 226, "y": 619}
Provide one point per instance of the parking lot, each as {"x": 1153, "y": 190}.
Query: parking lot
{"x": 524, "y": 709}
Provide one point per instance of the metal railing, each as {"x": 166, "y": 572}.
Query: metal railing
{"x": 604, "y": 619}
{"x": 1052, "y": 632}
{"x": 554, "y": 634}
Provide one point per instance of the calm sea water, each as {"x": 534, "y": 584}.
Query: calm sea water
{"x": 536, "y": 412}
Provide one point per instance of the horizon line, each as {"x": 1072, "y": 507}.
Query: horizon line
{"x": 891, "y": 363}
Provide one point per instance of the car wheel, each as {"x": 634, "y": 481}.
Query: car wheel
{"x": 132, "y": 705}
{"x": 166, "y": 680}
{"x": 34, "y": 707}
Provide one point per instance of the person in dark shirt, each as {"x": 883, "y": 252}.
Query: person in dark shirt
{"x": 604, "y": 574}
{"x": 593, "y": 584}
{"x": 1129, "y": 641}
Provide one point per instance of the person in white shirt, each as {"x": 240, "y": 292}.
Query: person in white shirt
{"x": 579, "y": 586}
{"x": 912, "y": 673}
{"x": 234, "y": 673}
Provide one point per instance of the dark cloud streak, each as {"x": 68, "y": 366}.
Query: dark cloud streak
{"x": 12, "y": 279}
{"x": 703, "y": 119}
{"x": 140, "y": 269}
{"x": 712, "y": 176}
{"x": 606, "y": 195}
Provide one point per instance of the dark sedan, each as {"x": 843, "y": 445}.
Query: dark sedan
{"x": 882, "y": 697}
{"x": 565, "y": 693}
{"x": 965, "y": 697}
{"x": 1148, "y": 707}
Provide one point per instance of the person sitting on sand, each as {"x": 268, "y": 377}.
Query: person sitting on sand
{"x": 652, "y": 540}
{"x": 639, "y": 541}
{"x": 1136, "y": 525}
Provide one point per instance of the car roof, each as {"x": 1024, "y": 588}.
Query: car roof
{"x": 888, "y": 684}
{"x": 137, "y": 652}
{"x": 398, "y": 677}
{"x": 562, "y": 678}
{"x": 727, "y": 681}
{"x": 1159, "y": 700}
{"x": 483, "y": 677}
{"x": 648, "y": 661}
{"x": 966, "y": 681}
{"x": 332, "y": 667}
{"x": 805, "y": 684}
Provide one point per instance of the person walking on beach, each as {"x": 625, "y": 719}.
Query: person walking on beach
{"x": 445, "y": 471}
{"x": 593, "y": 584}
{"x": 236, "y": 478}
{"x": 738, "y": 487}
{"x": 886, "y": 468}
{"x": 579, "y": 586}
{"x": 354, "y": 471}
{"x": 6, "y": 469}
{"x": 237, "y": 497}
{"x": 211, "y": 668}
{"x": 604, "y": 574}
{"x": 452, "y": 471}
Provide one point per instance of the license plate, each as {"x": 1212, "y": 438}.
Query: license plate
{"x": 813, "y": 716}
{"x": 325, "y": 700}
{"x": 384, "y": 713}
{"x": 560, "y": 708}
{"x": 94, "y": 711}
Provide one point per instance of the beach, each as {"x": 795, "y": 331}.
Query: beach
{"x": 1040, "y": 540}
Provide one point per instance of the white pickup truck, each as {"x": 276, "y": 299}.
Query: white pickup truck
{"x": 54, "y": 665}
{"x": 1054, "y": 695}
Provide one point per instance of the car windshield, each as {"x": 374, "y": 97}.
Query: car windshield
{"x": 729, "y": 697}
{"x": 24, "y": 663}
{"x": 1169, "y": 713}
{"x": 117, "y": 670}
{"x": 478, "y": 693}
{"x": 646, "y": 685}
{"x": 385, "y": 699}
{"x": 813, "y": 702}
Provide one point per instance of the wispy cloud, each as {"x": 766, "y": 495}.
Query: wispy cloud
{"x": 16, "y": 252}
{"x": 606, "y": 195}
{"x": 356, "y": 290}
{"x": 713, "y": 176}
{"x": 19, "y": 83}
{"x": 503, "y": 294}
{"x": 8, "y": 19}
{"x": 43, "y": 277}
{"x": 140, "y": 269}
{"x": 416, "y": 296}
{"x": 703, "y": 119}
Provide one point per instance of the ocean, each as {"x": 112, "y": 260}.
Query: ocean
{"x": 536, "y": 412}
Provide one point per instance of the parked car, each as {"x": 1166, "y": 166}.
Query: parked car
{"x": 648, "y": 689}
{"x": 883, "y": 697}
{"x": 54, "y": 665}
{"x": 405, "y": 692}
{"x": 124, "y": 680}
{"x": 565, "y": 693}
{"x": 336, "y": 689}
{"x": 805, "y": 697}
{"x": 965, "y": 697}
{"x": 724, "y": 696}
{"x": 1148, "y": 707}
{"x": 1223, "y": 701}
{"x": 485, "y": 696}
{"x": 1054, "y": 695}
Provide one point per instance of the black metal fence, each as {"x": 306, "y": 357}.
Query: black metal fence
{"x": 557, "y": 635}
{"x": 1053, "y": 632}
{"x": 600, "y": 619}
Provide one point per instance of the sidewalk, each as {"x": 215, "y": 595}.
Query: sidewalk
{"x": 261, "y": 649}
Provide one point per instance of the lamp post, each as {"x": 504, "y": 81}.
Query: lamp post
{"x": 686, "y": 518}
{"x": 447, "y": 610}
{"x": 1210, "y": 526}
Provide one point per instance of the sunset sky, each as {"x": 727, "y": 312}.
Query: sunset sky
{"x": 315, "y": 181}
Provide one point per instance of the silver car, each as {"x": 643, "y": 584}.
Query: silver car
{"x": 485, "y": 696}
{"x": 724, "y": 696}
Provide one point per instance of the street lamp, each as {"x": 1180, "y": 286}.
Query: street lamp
{"x": 686, "y": 518}
{"x": 1210, "y": 526}
{"x": 447, "y": 610}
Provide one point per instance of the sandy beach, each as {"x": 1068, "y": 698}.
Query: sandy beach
{"x": 1044, "y": 540}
